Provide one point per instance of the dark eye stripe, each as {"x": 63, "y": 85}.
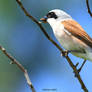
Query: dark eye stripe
{"x": 51, "y": 15}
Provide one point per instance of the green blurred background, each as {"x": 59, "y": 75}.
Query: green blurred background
{"x": 23, "y": 39}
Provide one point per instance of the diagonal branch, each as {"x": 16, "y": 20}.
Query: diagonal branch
{"x": 14, "y": 61}
{"x": 55, "y": 44}
{"x": 88, "y": 7}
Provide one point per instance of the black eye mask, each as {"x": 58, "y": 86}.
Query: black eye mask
{"x": 51, "y": 15}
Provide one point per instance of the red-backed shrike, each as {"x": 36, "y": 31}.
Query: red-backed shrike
{"x": 70, "y": 34}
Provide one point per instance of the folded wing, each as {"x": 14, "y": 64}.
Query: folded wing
{"x": 76, "y": 30}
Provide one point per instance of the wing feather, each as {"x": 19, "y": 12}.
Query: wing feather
{"x": 76, "y": 30}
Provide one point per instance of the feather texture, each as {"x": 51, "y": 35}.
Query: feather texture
{"x": 76, "y": 30}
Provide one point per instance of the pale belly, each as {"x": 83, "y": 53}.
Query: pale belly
{"x": 69, "y": 42}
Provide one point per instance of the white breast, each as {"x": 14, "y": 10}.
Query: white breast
{"x": 60, "y": 33}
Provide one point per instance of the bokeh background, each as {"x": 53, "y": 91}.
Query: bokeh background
{"x": 23, "y": 39}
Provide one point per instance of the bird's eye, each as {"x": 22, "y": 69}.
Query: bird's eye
{"x": 51, "y": 15}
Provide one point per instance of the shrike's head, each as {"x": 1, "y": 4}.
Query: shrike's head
{"x": 55, "y": 15}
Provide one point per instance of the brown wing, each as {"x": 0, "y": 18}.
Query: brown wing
{"x": 76, "y": 30}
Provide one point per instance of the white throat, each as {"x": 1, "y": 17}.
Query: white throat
{"x": 56, "y": 24}
{"x": 53, "y": 23}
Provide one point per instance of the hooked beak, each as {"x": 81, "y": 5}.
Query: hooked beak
{"x": 44, "y": 19}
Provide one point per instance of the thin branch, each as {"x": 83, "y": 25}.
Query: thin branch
{"x": 55, "y": 44}
{"x": 88, "y": 7}
{"x": 14, "y": 61}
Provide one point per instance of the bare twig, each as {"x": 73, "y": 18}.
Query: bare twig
{"x": 14, "y": 61}
{"x": 88, "y": 7}
{"x": 58, "y": 47}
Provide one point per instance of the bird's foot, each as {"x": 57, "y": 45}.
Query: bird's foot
{"x": 65, "y": 53}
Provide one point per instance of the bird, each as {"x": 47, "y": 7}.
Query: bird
{"x": 69, "y": 33}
